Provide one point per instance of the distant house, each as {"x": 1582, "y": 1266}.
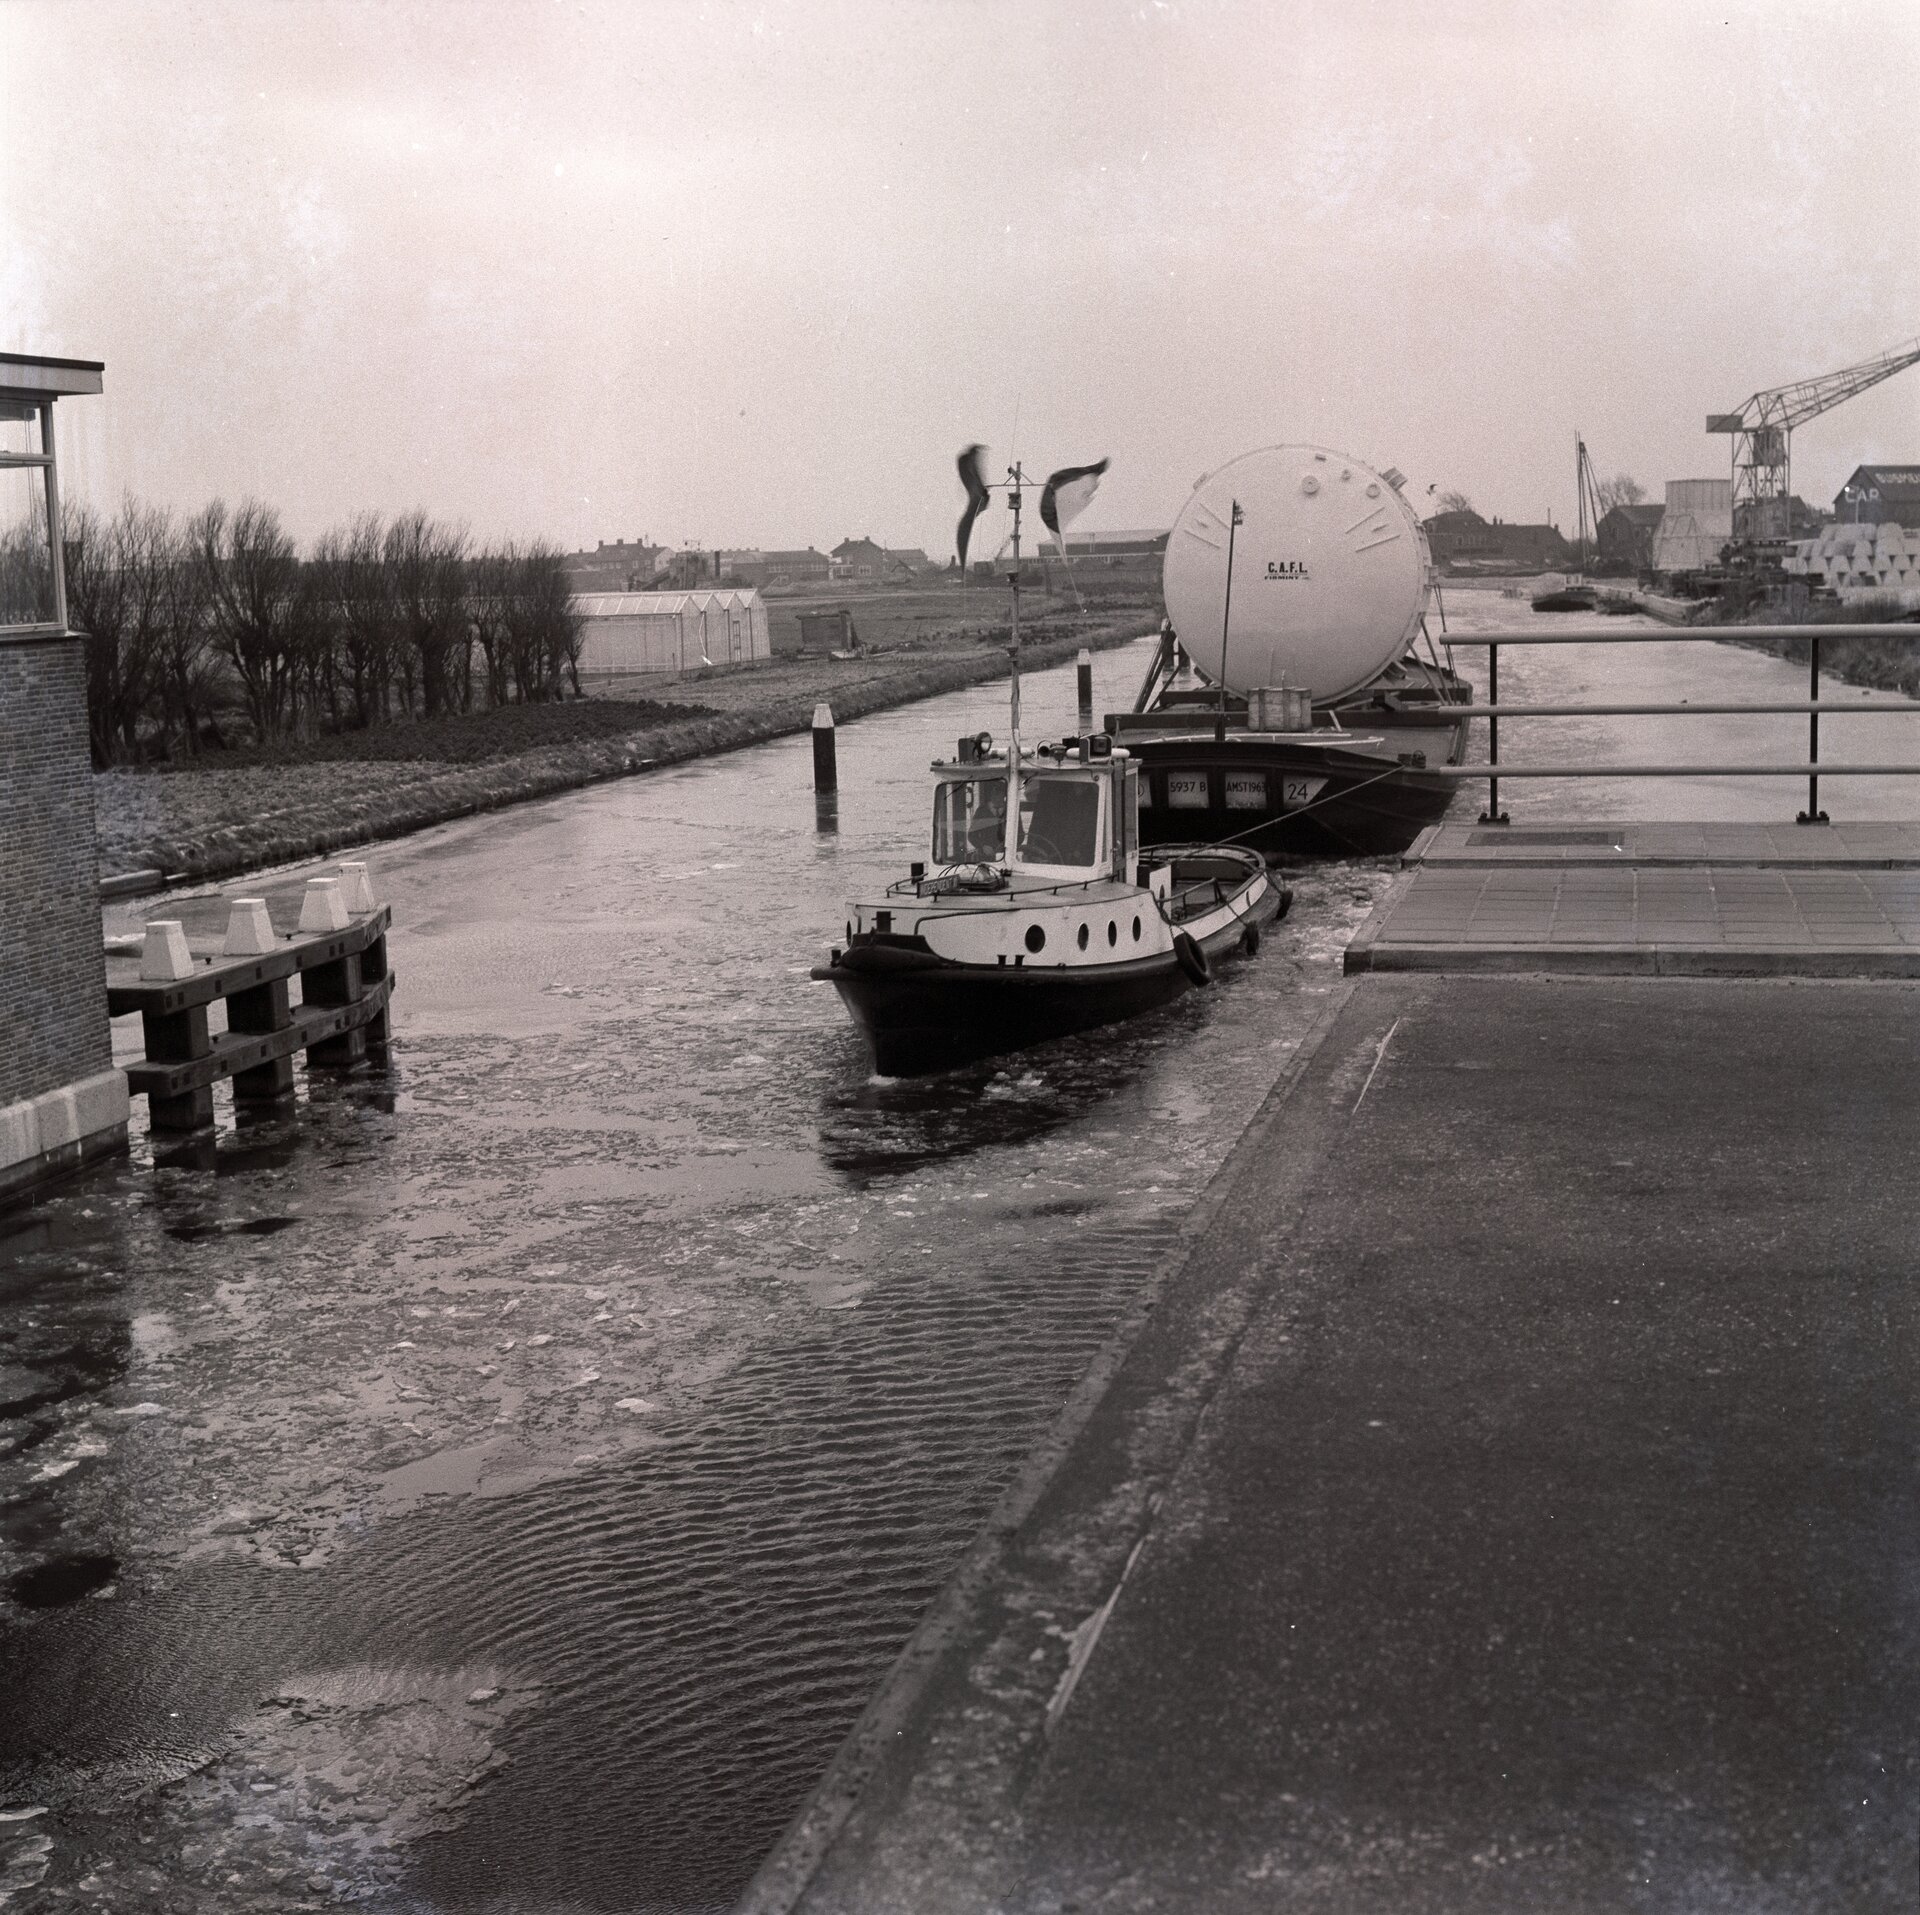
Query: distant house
{"x": 1625, "y": 536}
{"x": 797, "y": 568}
{"x": 910, "y": 560}
{"x": 758, "y": 567}
{"x": 1465, "y": 542}
{"x": 619, "y": 567}
{"x": 863, "y": 562}
{"x": 1880, "y": 495}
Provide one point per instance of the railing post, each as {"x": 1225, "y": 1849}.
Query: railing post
{"x": 1493, "y": 815}
{"x": 1813, "y": 815}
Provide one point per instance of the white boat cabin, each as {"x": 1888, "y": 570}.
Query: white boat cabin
{"x": 1079, "y": 813}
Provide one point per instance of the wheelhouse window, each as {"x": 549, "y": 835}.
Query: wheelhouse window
{"x": 1060, "y": 821}
{"x": 970, "y": 821}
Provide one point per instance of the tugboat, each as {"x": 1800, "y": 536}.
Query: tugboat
{"x": 1287, "y": 707}
{"x": 989, "y": 945}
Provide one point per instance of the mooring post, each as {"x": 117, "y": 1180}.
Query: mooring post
{"x": 1083, "y": 682}
{"x": 826, "y": 774}
{"x": 1813, "y": 815}
{"x": 1493, "y": 815}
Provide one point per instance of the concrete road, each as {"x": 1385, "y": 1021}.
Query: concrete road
{"x": 1513, "y": 1505}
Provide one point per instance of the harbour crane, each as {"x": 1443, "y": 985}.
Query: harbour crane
{"x": 1762, "y": 428}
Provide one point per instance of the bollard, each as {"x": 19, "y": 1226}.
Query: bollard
{"x": 165, "y": 954}
{"x": 249, "y": 929}
{"x": 356, "y": 887}
{"x": 1083, "y": 679}
{"x": 826, "y": 774}
{"x": 323, "y": 908}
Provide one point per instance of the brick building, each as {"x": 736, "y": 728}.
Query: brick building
{"x": 61, "y": 1100}
{"x": 623, "y": 566}
{"x": 1880, "y": 495}
{"x": 1465, "y": 542}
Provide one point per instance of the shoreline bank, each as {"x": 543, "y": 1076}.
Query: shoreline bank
{"x": 204, "y": 824}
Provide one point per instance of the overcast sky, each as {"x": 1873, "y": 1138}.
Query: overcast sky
{"x": 751, "y": 274}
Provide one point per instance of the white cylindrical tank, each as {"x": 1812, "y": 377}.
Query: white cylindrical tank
{"x": 1330, "y": 571}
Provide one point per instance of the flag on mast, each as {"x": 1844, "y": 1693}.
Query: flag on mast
{"x": 975, "y": 480}
{"x": 1066, "y": 495}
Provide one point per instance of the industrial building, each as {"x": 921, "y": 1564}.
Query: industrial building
{"x": 662, "y": 632}
{"x": 1624, "y": 537}
{"x": 1696, "y": 525}
{"x": 1880, "y": 495}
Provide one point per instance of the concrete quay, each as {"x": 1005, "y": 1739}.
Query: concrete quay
{"x": 1511, "y": 1500}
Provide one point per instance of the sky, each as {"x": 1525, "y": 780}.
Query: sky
{"x": 751, "y": 274}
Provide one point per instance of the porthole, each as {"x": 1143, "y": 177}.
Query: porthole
{"x": 1036, "y": 938}
{"x": 1113, "y": 932}
{"x": 1083, "y": 937}
{"x": 1136, "y": 930}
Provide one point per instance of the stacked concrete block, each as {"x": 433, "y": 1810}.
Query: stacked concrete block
{"x": 1861, "y": 561}
{"x": 60, "y": 1098}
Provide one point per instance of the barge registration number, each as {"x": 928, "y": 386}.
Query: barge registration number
{"x": 1245, "y": 791}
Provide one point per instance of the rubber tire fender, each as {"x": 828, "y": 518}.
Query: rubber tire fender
{"x": 1192, "y": 959}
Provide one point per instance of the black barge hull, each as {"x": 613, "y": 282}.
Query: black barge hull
{"x": 1296, "y": 800}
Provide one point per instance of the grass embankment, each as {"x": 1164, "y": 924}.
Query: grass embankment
{"x": 1889, "y": 664}
{"x": 234, "y": 811}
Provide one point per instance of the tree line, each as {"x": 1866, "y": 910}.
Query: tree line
{"x": 193, "y": 623}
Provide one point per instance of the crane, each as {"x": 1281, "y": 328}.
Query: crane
{"x": 1762, "y": 428}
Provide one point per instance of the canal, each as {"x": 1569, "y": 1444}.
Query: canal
{"x": 501, "y": 1487}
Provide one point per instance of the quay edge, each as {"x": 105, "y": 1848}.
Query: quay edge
{"x": 1632, "y": 1438}
{"x": 782, "y": 1883}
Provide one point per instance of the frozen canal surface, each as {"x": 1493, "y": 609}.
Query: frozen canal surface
{"x": 502, "y": 1487}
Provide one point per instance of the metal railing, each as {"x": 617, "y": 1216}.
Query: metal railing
{"x": 1493, "y": 710}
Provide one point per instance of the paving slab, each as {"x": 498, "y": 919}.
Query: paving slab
{"x": 1657, "y": 899}
{"x": 1775, "y": 845}
{"x": 1512, "y": 1503}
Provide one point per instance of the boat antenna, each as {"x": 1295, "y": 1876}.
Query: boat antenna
{"x": 1013, "y": 653}
{"x": 1226, "y": 615}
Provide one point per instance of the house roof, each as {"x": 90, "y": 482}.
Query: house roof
{"x": 858, "y": 548}
{"x": 1896, "y": 481}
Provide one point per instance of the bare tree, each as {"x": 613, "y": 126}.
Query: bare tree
{"x": 117, "y": 594}
{"x": 1622, "y": 489}
{"x": 26, "y": 569}
{"x": 185, "y": 668}
{"x": 1452, "y": 501}
{"x": 561, "y": 628}
{"x": 426, "y": 567}
{"x": 490, "y": 581}
{"x": 252, "y": 577}
{"x": 354, "y": 578}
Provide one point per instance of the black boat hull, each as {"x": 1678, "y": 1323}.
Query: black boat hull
{"x": 1285, "y": 798}
{"x": 921, "y": 1013}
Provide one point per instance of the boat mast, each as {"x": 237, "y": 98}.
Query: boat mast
{"x": 1013, "y": 737}
{"x": 1226, "y": 616}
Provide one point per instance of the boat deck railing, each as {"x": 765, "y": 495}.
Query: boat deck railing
{"x": 1812, "y": 708}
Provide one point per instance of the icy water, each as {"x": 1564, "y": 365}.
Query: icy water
{"x": 501, "y": 1487}
{"x": 1862, "y": 726}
